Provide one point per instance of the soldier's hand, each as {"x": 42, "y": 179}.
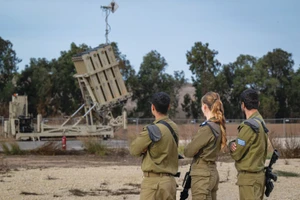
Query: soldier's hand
{"x": 232, "y": 146}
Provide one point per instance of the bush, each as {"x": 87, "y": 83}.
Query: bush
{"x": 5, "y": 148}
{"x": 93, "y": 146}
{"x": 48, "y": 148}
{"x": 290, "y": 148}
{"x": 14, "y": 148}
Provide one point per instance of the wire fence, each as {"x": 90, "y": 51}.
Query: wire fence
{"x": 283, "y": 127}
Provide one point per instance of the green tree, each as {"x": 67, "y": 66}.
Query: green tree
{"x": 35, "y": 82}
{"x": 294, "y": 95}
{"x": 126, "y": 69}
{"x": 240, "y": 76}
{"x": 277, "y": 68}
{"x": 245, "y": 73}
{"x": 51, "y": 88}
{"x": 8, "y": 69}
{"x": 152, "y": 78}
{"x": 171, "y": 85}
{"x": 128, "y": 73}
{"x": 204, "y": 67}
{"x": 189, "y": 107}
{"x": 66, "y": 93}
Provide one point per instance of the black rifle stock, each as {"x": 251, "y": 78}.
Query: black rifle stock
{"x": 270, "y": 175}
{"x": 186, "y": 186}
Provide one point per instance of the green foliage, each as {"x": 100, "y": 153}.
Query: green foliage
{"x": 128, "y": 73}
{"x": 268, "y": 106}
{"x": 66, "y": 92}
{"x": 277, "y": 66}
{"x": 5, "y": 148}
{"x": 190, "y": 107}
{"x": 152, "y": 78}
{"x": 50, "y": 85}
{"x": 52, "y": 89}
{"x": 8, "y": 70}
{"x": 293, "y": 100}
{"x": 93, "y": 146}
{"x": 272, "y": 76}
{"x": 238, "y": 76}
{"x": 205, "y": 67}
{"x": 14, "y": 148}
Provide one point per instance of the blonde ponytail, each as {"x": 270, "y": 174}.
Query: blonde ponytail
{"x": 214, "y": 103}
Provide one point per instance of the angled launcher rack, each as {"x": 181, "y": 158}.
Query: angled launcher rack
{"x": 101, "y": 84}
{"x": 99, "y": 78}
{"x": 102, "y": 88}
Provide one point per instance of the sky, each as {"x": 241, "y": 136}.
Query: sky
{"x": 44, "y": 28}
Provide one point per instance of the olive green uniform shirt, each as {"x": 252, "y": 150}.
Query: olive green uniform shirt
{"x": 205, "y": 144}
{"x": 160, "y": 156}
{"x": 251, "y": 148}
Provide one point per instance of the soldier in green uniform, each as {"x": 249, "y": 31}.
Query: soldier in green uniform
{"x": 158, "y": 144}
{"x": 249, "y": 150}
{"x": 204, "y": 148}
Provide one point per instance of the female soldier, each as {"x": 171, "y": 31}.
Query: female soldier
{"x": 204, "y": 148}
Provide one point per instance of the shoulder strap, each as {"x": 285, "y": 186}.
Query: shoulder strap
{"x": 254, "y": 125}
{"x": 213, "y": 127}
{"x": 154, "y": 132}
{"x": 252, "y": 122}
{"x": 263, "y": 124}
{"x": 171, "y": 130}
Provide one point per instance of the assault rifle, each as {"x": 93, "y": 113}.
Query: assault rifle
{"x": 186, "y": 186}
{"x": 270, "y": 175}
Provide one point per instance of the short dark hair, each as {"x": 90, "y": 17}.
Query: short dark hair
{"x": 161, "y": 102}
{"x": 250, "y": 99}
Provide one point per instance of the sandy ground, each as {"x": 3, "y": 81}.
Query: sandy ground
{"x": 89, "y": 177}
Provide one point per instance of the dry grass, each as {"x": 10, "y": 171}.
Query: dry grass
{"x": 289, "y": 148}
{"x": 48, "y": 148}
{"x": 52, "y": 148}
{"x": 11, "y": 147}
{"x": 292, "y": 147}
{"x": 93, "y": 146}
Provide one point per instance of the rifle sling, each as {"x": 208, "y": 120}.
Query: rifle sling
{"x": 171, "y": 130}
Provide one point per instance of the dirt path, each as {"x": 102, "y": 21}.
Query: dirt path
{"x": 90, "y": 177}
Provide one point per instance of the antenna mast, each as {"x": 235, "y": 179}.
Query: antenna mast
{"x": 112, "y": 7}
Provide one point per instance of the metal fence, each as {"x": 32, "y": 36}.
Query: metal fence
{"x": 2, "y": 126}
{"x": 198, "y": 121}
{"x": 283, "y": 127}
{"x": 280, "y": 127}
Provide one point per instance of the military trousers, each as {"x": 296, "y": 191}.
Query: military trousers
{"x": 158, "y": 188}
{"x": 205, "y": 181}
{"x": 251, "y": 185}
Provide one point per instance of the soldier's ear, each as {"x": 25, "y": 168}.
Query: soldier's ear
{"x": 169, "y": 107}
{"x": 152, "y": 107}
{"x": 205, "y": 107}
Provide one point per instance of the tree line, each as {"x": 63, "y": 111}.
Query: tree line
{"x": 53, "y": 91}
